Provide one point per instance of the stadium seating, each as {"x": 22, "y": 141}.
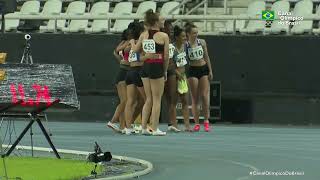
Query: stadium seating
{"x": 317, "y": 31}
{"x": 122, "y": 8}
{"x": 28, "y": 8}
{"x": 146, "y": 5}
{"x": 168, "y": 7}
{"x": 51, "y": 7}
{"x": 74, "y": 8}
{"x": 139, "y": 7}
{"x": 303, "y": 8}
{"x": 276, "y": 27}
{"x": 97, "y": 26}
{"x": 254, "y": 10}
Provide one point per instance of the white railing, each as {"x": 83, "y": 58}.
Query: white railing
{"x": 132, "y": 17}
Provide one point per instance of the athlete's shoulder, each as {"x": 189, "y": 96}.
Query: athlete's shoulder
{"x": 163, "y": 34}
{"x": 202, "y": 41}
{"x": 144, "y": 35}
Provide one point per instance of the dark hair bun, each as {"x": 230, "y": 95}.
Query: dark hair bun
{"x": 177, "y": 30}
{"x": 151, "y": 17}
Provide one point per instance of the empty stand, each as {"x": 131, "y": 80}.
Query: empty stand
{"x": 122, "y": 8}
{"x": 74, "y": 8}
{"x": 254, "y": 10}
{"x": 146, "y": 5}
{"x": 168, "y": 7}
{"x": 51, "y": 7}
{"x": 97, "y": 26}
{"x": 277, "y": 27}
{"x": 303, "y": 8}
{"x": 28, "y": 8}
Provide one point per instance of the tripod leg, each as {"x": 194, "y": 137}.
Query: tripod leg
{"x": 31, "y": 135}
{"x": 3, "y": 160}
{"x": 30, "y": 58}
{"x": 48, "y": 138}
{"x": 20, "y": 137}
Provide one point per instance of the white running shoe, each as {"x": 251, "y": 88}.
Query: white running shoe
{"x": 146, "y": 132}
{"x": 123, "y": 131}
{"x": 113, "y": 126}
{"x": 137, "y": 129}
{"x": 174, "y": 129}
{"x": 129, "y": 131}
{"x": 158, "y": 132}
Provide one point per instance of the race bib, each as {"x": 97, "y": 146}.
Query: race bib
{"x": 181, "y": 59}
{"x": 171, "y": 50}
{"x": 133, "y": 57}
{"x": 196, "y": 53}
{"x": 149, "y": 46}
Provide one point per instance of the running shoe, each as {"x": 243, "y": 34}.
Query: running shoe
{"x": 196, "y": 127}
{"x": 146, "y": 132}
{"x": 123, "y": 131}
{"x": 137, "y": 128}
{"x": 113, "y": 126}
{"x": 158, "y": 132}
{"x": 206, "y": 126}
{"x": 129, "y": 131}
{"x": 174, "y": 129}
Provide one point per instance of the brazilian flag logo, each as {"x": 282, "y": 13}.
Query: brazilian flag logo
{"x": 268, "y": 15}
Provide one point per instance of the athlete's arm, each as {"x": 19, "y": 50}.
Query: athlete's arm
{"x": 166, "y": 51}
{"x": 136, "y": 46}
{"x": 121, "y": 46}
{"x": 117, "y": 56}
{"x": 207, "y": 58}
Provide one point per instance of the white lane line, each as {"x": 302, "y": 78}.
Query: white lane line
{"x": 239, "y": 164}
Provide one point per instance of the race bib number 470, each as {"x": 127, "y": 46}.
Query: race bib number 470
{"x": 149, "y": 46}
{"x": 196, "y": 53}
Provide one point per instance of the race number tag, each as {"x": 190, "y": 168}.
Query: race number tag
{"x": 133, "y": 56}
{"x": 181, "y": 59}
{"x": 171, "y": 50}
{"x": 196, "y": 53}
{"x": 149, "y": 46}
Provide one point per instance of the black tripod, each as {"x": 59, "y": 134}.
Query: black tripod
{"x": 34, "y": 117}
{"x": 26, "y": 56}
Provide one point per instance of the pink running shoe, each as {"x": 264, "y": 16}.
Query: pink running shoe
{"x": 207, "y": 126}
{"x": 196, "y": 127}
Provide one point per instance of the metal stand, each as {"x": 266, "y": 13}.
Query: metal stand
{"x": 35, "y": 117}
{"x": 3, "y": 160}
{"x": 2, "y": 155}
{"x": 27, "y": 59}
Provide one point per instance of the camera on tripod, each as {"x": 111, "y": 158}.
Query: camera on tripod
{"x": 27, "y": 37}
{"x": 26, "y": 56}
{"x": 98, "y": 155}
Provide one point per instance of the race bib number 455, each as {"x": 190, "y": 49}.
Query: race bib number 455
{"x": 181, "y": 59}
{"x": 133, "y": 56}
{"x": 149, "y": 46}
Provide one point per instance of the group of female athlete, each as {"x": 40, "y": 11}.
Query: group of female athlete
{"x": 157, "y": 59}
